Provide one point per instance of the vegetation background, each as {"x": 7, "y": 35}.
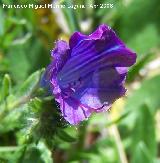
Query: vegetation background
{"x": 31, "y": 128}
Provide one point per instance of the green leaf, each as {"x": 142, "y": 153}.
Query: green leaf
{"x": 65, "y": 136}
{"x": 141, "y": 154}
{"x": 22, "y": 40}
{"x": 148, "y": 93}
{"x": 31, "y": 155}
{"x": 46, "y": 154}
{"x": 2, "y": 22}
{"x": 30, "y": 84}
{"x": 18, "y": 68}
{"x": 11, "y": 120}
{"x": 119, "y": 119}
{"x": 144, "y": 131}
{"x": 6, "y": 87}
{"x": 140, "y": 64}
{"x": 8, "y": 149}
{"x": 135, "y": 17}
{"x": 138, "y": 43}
{"x": 15, "y": 103}
{"x": 71, "y": 16}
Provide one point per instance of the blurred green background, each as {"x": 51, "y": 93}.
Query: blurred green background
{"x": 31, "y": 130}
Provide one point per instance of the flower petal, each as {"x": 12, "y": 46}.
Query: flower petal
{"x": 99, "y": 50}
{"x": 96, "y": 95}
{"x": 60, "y": 56}
{"x": 79, "y": 67}
{"x": 73, "y": 111}
{"x": 76, "y": 38}
{"x": 109, "y": 77}
{"x": 100, "y": 99}
{"x": 102, "y": 31}
{"x": 104, "y": 35}
{"x": 104, "y": 87}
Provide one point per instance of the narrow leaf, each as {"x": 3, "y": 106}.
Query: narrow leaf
{"x": 6, "y": 87}
{"x": 65, "y": 136}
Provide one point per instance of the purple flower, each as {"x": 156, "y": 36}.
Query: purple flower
{"x": 88, "y": 75}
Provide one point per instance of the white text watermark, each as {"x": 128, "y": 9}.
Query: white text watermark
{"x": 58, "y": 6}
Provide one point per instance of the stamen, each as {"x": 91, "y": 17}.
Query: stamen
{"x": 63, "y": 108}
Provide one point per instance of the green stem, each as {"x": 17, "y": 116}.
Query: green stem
{"x": 81, "y": 142}
{"x": 115, "y": 133}
{"x": 82, "y": 134}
